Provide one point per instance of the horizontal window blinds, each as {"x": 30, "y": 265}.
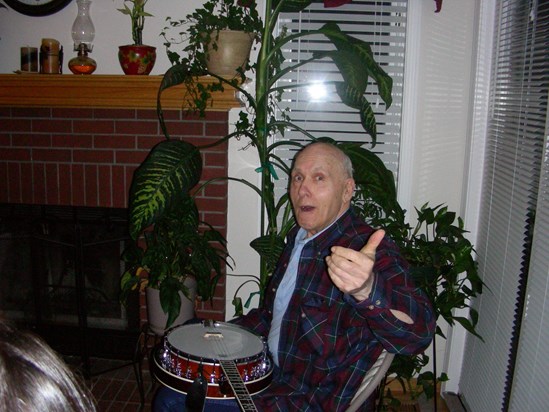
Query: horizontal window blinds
{"x": 383, "y": 25}
{"x": 514, "y": 155}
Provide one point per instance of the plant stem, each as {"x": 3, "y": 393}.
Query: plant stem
{"x": 262, "y": 131}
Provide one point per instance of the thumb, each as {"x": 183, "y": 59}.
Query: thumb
{"x": 369, "y": 249}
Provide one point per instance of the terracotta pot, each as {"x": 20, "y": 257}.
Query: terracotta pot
{"x": 156, "y": 316}
{"x": 233, "y": 51}
{"x": 136, "y": 59}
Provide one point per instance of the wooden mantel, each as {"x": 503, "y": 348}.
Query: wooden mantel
{"x": 101, "y": 91}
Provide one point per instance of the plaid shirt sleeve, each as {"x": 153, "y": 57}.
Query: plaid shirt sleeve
{"x": 328, "y": 340}
{"x": 393, "y": 289}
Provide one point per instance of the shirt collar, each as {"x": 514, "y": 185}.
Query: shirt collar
{"x": 325, "y": 235}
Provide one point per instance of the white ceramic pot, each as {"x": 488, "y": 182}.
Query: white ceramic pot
{"x": 233, "y": 51}
{"x": 156, "y": 316}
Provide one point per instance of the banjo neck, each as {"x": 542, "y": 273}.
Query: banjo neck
{"x": 237, "y": 385}
{"x": 230, "y": 370}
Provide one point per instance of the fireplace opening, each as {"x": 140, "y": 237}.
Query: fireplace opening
{"x": 60, "y": 271}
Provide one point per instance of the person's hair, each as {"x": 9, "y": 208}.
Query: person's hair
{"x": 34, "y": 378}
{"x": 345, "y": 160}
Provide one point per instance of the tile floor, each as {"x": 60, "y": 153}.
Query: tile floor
{"x": 117, "y": 390}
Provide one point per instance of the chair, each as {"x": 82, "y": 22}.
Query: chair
{"x": 371, "y": 380}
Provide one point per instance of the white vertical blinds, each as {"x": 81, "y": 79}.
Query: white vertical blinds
{"x": 383, "y": 24}
{"x": 529, "y": 392}
{"x": 512, "y": 263}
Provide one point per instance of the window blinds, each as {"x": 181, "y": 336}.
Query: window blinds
{"x": 383, "y": 24}
{"x": 512, "y": 261}
{"x": 529, "y": 390}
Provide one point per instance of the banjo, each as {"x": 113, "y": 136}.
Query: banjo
{"x": 231, "y": 360}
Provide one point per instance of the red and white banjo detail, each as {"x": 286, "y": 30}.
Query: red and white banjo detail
{"x": 233, "y": 360}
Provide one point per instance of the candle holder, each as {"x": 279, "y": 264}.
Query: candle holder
{"x": 51, "y": 57}
{"x": 29, "y": 59}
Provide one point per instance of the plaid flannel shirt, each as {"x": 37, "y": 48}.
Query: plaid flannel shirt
{"x": 328, "y": 341}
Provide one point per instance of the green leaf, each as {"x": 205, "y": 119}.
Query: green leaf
{"x": 467, "y": 325}
{"x": 351, "y": 67}
{"x": 170, "y": 299}
{"x": 443, "y": 377}
{"x": 237, "y": 304}
{"x": 250, "y": 298}
{"x": 175, "y": 75}
{"x": 171, "y": 169}
{"x": 132, "y": 254}
{"x": 353, "y": 98}
{"x": 357, "y": 73}
{"x": 374, "y": 181}
{"x": 127, "y": 283}
{"x": 270, "y": 248}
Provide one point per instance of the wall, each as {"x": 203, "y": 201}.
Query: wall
{"x": 436, "y": 136}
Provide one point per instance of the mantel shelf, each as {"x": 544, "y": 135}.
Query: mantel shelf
{"x": 101, "y": 91}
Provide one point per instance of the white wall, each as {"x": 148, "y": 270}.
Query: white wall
{"x": 243, "y": 222}
{"x": 436, "y": 132}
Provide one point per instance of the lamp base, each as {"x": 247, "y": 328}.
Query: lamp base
{"x": 82, "y": 64}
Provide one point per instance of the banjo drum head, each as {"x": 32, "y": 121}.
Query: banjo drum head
{"x": 222, "y": 341}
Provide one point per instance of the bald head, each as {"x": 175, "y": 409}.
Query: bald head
{"x": 321, "y": 186}
{"x": 336, "y": 152}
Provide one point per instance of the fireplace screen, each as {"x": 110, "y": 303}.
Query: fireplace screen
{"x": 60, "y": 271}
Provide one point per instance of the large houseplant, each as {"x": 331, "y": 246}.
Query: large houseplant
{"x": 136, "y": 58}
{"x": 441, "y": 263}
{"x": 355, "y": 61}
{"x": 376, "y": 194}
{"x": 173, "y": 246}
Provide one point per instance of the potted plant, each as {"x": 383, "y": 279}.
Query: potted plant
{"x": 354, "y": 59}
{"x": 174, "y": 256}
{"x": 220, "y": 35}
{"x": 441, "y": 262}
{"x": 136, "y": 58}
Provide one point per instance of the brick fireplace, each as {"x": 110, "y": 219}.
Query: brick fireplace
{"x": 56, "y": 150}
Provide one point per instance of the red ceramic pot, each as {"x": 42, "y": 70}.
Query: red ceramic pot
{"x": 137, "y": 59}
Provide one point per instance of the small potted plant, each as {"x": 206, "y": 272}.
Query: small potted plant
{"x": 174, "y": 257}
{"x": 220, "y": 35}
{"x": 136, "y": 58}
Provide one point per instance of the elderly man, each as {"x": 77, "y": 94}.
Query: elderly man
{"x": 341, "y": 293}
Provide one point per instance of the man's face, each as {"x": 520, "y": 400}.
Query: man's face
{"x": 320, "y": 190}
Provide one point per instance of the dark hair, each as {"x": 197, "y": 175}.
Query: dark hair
{"x": 34, "y": 378}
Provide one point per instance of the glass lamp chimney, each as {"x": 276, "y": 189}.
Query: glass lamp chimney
{"x": 83, "y": 30}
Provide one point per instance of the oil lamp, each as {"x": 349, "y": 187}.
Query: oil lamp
{"x": 83, "y": 33}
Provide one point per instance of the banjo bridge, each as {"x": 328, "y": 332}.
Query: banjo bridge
{"x": 213, "y": 335}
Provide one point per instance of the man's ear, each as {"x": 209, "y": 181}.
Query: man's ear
{"x": 349, "y": 189}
